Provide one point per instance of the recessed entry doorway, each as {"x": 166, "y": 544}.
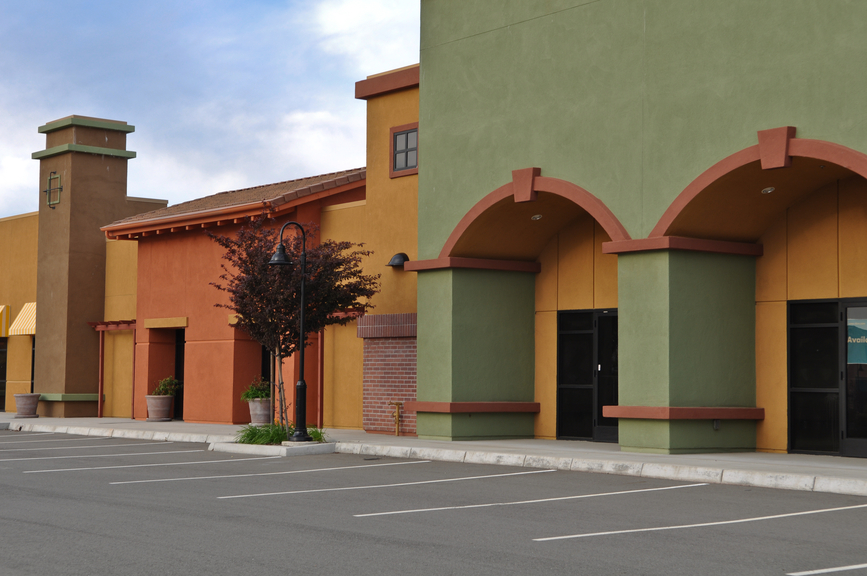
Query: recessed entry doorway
{"x": 180, "y": 341}
{"x": 586, "y": 374}
{"x": 828, "y": 377}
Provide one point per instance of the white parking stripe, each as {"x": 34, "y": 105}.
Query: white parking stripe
{"x": 94, "y": 456}
{"x": 829, "y": 570}
{"x": 541, "y": 500}
{"x": 385, "y": 485}
{"x": 700, "y": 525}
{"x": 126, "y": 444}
{"x": 153, "y": 465}
{"x": 57, "y": 440}
{"x": 269, "y": 473}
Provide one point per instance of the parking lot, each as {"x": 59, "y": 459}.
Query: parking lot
{"x": 92, "y": 505}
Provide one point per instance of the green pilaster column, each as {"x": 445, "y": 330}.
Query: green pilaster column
{"x": 475, "y": 344}
{"x": 687, "y": 339}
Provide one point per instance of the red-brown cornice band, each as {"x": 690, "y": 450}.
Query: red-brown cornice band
{"x": 682, "y": 413}
{"x": 113, "y": 325}
{"x": 389, "y": 82}
{"x": 681, "y": 243}
{"x": 472, "y": 263}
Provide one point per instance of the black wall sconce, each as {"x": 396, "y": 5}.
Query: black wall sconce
{"x": 398, "y": 259}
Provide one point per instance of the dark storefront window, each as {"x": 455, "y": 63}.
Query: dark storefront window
{"x": 3, "y": 344}
{"x": 828, "y": 377}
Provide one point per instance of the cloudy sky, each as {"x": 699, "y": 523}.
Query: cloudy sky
{"x": 224, "y": 94}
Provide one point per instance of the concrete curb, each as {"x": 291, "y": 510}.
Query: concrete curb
{"x": 159, "y": 436}
{"x": 225, "y": 443}
{"x": 805, "y": 482}
{"x": 261, "y": 450}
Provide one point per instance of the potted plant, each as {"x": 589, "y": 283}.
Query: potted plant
{"x": 258, "y": 396}
{"x": 25, "y": 405}
{"x": 160, "y": 401}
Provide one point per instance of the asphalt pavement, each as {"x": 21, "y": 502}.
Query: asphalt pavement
{"x": 806, "y": 472}
{"x": 99, "y": 505}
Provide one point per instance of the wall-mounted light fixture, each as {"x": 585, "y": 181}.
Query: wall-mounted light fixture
{"x": 398, "y": 259}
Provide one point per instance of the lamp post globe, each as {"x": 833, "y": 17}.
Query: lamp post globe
{"x": 281, "y": 259}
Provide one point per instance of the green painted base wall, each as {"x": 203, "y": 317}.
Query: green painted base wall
{"x": 486, "y": 426}
{"x": 686, "y": 436}
{"x": 687, "y": 338}
{"x": 475, "y": 344}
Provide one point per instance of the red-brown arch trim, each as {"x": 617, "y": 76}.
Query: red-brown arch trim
{"x": 772, "y": 143}
{"x": 524, "y": 185}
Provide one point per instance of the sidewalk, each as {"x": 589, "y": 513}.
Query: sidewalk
{"x": 788, "y": 471}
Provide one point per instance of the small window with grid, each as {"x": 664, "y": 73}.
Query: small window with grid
{"x": 405, "y": 150}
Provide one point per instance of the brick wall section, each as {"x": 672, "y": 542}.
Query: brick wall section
{"x": 389, "y": 370}
{"x": 387, "y": 326}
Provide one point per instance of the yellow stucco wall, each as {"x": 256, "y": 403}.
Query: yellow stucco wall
{"x": 816, "y": 249}
{"x": 392, "y": 203}
{"x": 344, "y": 351}
{"x": 575, "y": 276}
{"x": 121, "y": 265}
{"x": 342, "y": 401}
{"x": 19, "y": 241}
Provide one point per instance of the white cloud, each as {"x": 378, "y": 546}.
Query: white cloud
{"x": 168, "y": 176}
{"x": 321, "y": 140}
{"x": 19, "y": 174}
{"x": 373, "y": 35}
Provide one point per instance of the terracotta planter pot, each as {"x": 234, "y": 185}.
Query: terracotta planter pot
{"x": 260, "y": 411}
{"x": 25, "y": 405}
{"x": 159, "y": 408}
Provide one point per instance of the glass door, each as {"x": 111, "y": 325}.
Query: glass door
{"x": 814, "y": 377}
{"x": 586, "y": 374}
{"x": 854, "y": 438}
{"x": 3, "y": 342}
{"x": 828, "y": 377}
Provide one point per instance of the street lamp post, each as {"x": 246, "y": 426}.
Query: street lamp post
{"x": 280, "y": 259}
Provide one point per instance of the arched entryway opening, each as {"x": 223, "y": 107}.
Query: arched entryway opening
{"x": 527, "y": 293}
{"x": 802, "y": 207}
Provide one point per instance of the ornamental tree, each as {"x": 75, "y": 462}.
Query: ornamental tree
{"x": 267, "y": 298}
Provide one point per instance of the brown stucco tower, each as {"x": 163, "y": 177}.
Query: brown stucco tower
{"x": 82, "y": 183}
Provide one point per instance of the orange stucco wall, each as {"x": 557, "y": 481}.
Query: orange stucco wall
{"x": 18, "y": 237}
{"x": 174, "y": 276}
{"x": 575, "y": 276}
{"x": 816, "y": 249}
{"x": 175, "y": 272}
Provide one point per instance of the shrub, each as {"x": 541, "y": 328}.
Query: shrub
{"x": 168, "y": 386}
{"x": 259, "y": 388}
{"x": 274, "y": 434}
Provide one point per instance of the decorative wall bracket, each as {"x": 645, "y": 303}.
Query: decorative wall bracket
{"x": 52, "y": 195}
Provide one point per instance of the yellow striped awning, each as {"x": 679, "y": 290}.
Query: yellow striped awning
{"x": 25, "y": 323}
{"x": 4, "y": 321}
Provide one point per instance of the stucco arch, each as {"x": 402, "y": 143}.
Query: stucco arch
{"x": 725, "y": 202}
{"x": 500, "y": 225}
